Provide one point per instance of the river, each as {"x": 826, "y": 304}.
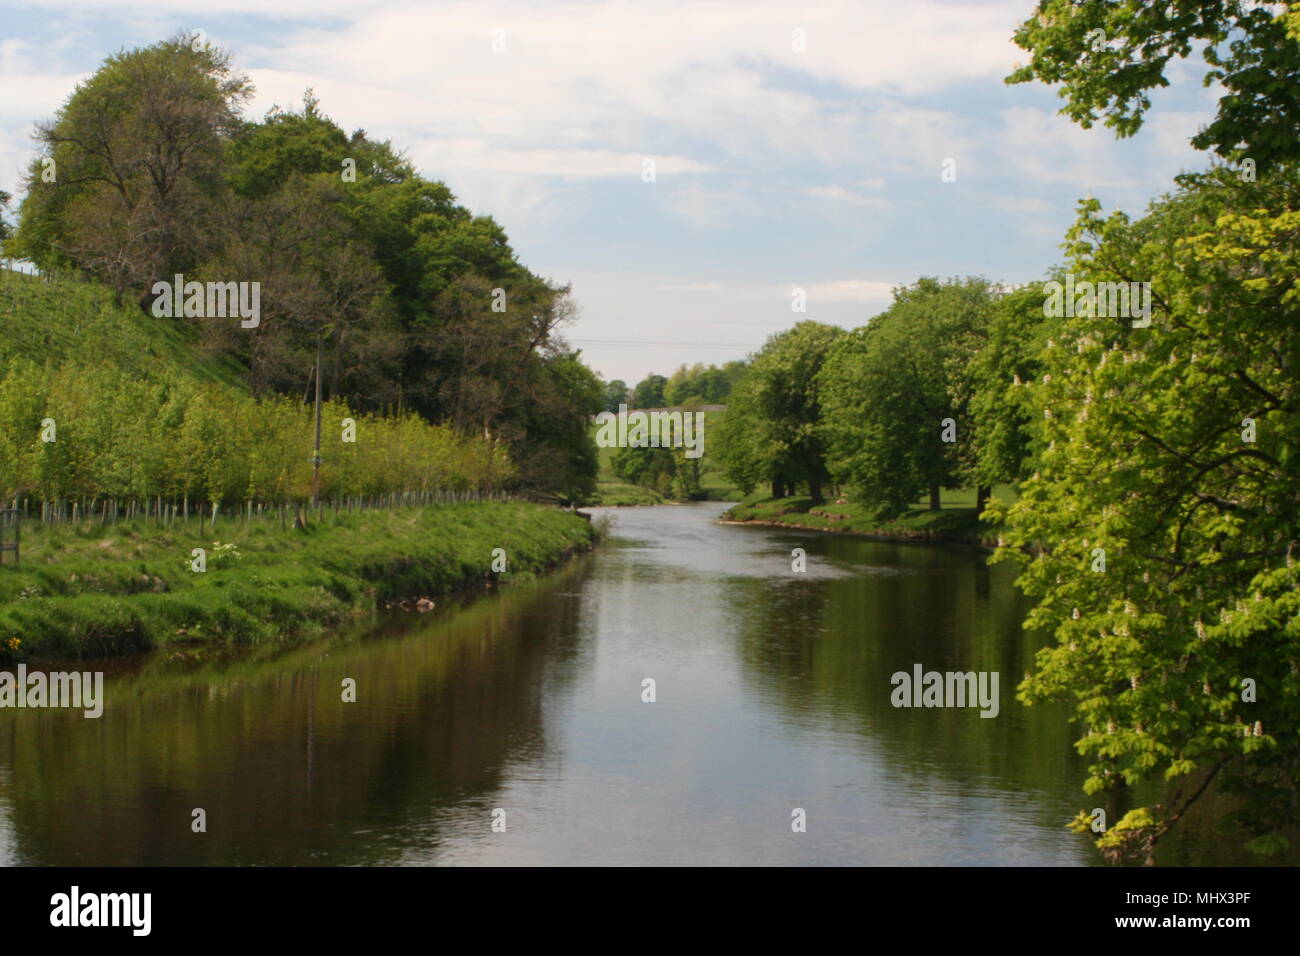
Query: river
{"x": 525, "y": 708}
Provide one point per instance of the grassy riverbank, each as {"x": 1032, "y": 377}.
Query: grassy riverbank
{"x": 956, "y": 521}
{"x": 85, "y": 591}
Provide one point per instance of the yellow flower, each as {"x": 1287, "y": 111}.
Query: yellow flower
{"x": 14, "y": 643}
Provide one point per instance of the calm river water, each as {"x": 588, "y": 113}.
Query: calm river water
{"x": 772, "y": 693}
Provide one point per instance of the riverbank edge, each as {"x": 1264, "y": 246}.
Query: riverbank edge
{"x": 357, "y": 586}
{"x": 974, "y": 534}
{"x": 633, "y": 496}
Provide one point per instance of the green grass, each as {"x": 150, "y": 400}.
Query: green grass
{"x": 614, "y": 493}
{"x": 70, "y": 321}
{"x": 717, "y": 488}
{"x": 88, "y": 591}
{"x": 956, "y": 519}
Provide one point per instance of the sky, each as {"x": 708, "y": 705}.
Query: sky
{"x": 795, "y": 145}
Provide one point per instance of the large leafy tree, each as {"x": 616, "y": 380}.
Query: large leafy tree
{"x": 738, "y": 445}
{"x": 316, "y": 276}
{"x": 463, "y": 333}
{"x": 649, "y": 392}
{"x": 1162, "y": 516}
{"x": 771, "y": 428}
{"x": 1161, "y": 532}
{"x": 897, "y": 394}
{"x": 614, "y": 394}
{"x": 516, "y": 380}
{"x": 1108, "y": 55}
{"x": 553, "y": 449}
{"x": 131, "y": 171}
{"x": 265, "y": 155}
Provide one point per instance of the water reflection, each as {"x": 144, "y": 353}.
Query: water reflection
{"x": 772, "y": 693}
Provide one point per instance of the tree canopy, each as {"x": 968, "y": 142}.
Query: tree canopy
{"x": 771, "y": 430}
{"x": 1108, "y": 55}
{"x": 897, "y": 400}
{"x": 1160, "y": 531}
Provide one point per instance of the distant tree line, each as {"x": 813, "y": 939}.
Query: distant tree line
{"x": 909, "y": 404}
{"x": 697, "y": 384}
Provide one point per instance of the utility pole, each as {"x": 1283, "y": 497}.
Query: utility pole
{"x": 315, "y": 461}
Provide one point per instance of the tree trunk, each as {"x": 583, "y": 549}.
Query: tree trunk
{"x": 981, "y": 498}
{"x": 778, "y": 488}
{"x": 934, "y": 496}
{"x": 815, "y": 489}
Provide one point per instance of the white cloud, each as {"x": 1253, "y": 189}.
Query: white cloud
{"x": 839, "y": 194}
{"x": 828, "y": 291}
{"x": 1030, "y": 205}
{"x": 645, "y": 79}
{"x": 851, "y": 290}
{"x": 711, "y": 287}
{"x": 707, "y": 208}
{"x": 477, "y": 154}
{"x": 1049, "y": 148}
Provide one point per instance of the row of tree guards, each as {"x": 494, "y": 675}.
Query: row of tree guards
{"x": 10, "y": 533}
{"x": 110, "y": 511}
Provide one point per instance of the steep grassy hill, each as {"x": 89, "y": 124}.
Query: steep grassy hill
{"x": 65, "y": 320}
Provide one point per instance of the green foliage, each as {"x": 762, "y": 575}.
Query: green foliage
{"x": 4, "y": 217}
{"x": 614, "y": 394}
{"x": 1109, "y": 54}
{"x": 560, "y": 454}
{"x": 738, "y": 440}
{"x": 699, "y": 384}
{"x": 649, "y": 392}
{"x": 137, "y": 154}
{"x": 889, "y": 387}
{"x": 1004, "y": 427}
{"x": 650, "y": 476}
{"x": 267, "y": 154}
{"x": 666, "y": 471}
{"x": 771, "y": 429}
{"x": 1148, "y": 456}
{"x": 218, "y": 556}
{"x": 123, "y": 436}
